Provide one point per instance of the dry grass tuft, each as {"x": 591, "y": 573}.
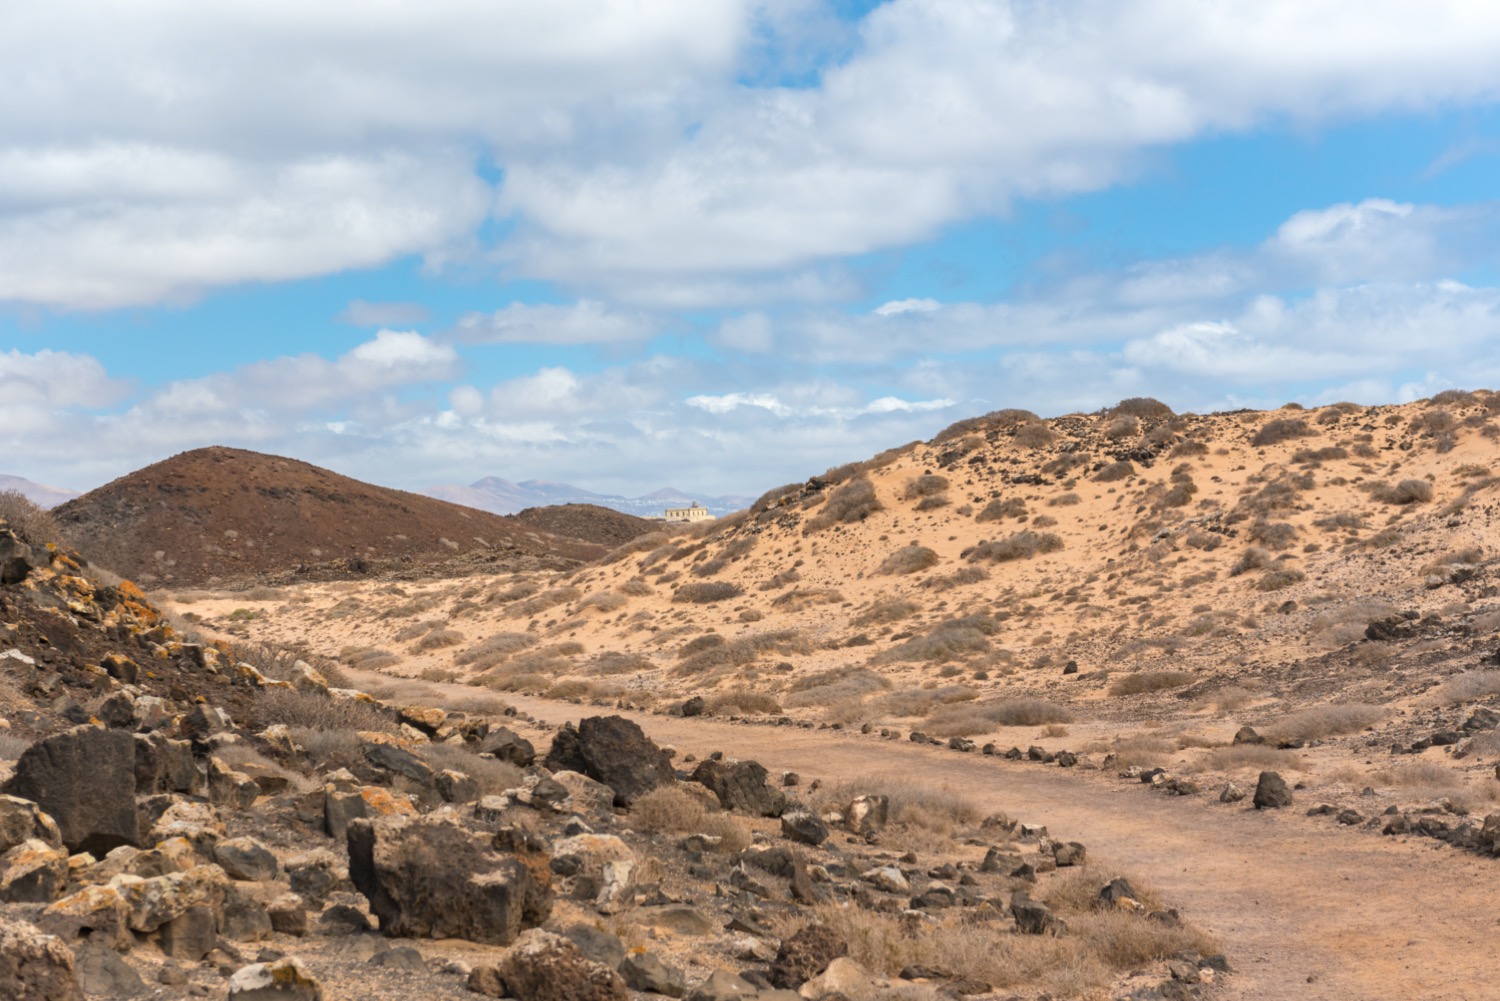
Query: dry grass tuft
{"x": 853, "y": 502}
{"x": 1323, "y": 721}
{"x": 1023, "y": 545}
{"x": 679, "y": 810}
{"x": 1468, "y": 687}
{"x": 967, "y": 719}
{"x": 707, "y": 592}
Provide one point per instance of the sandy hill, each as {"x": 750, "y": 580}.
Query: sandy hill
{"x": 1241, "y": 557}
{"x": 218, "y": 515}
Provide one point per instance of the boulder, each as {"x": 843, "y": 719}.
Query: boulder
{"x": 102, "y": 973}
{"x": 694, "y": 706}
{"x": 231, "y": 788}
{"x": 164, "y": 765}
{"x": 96, "y": 913}
{"x": 806, "y": 954}
{"x": 246, "y": 859}
{"x": 84, "y": 779}
{"x": 431, "y": 878}
{"x": 644, "y": 971}
{"x": 1033, "y": 917}
{"x": 844, "y": 978}
{"x": 457, "y": 787}
{"x": 21, "y": 821}
{"x": 1247, "y": 735}
{"x": 35, "y": 966}
{"x": 587, "y": 798}
{"x": 722, "y": 985}
{"x": 33, "y": 872}
{"x": 867, "y": 814}
{"x": 399, "y": 761}
{"x": 542, "y": 966}
{"x": 203, "y": 721}
{"x": 741, "y": 786}
{"x": 1271, "y": 792}
{"x": 804, "y": 827}
{"x": 612, "y": 750}
{"x": 1068, "y": 853}
{"x": 284, "y": 980}
{"x": 507, "y": 745}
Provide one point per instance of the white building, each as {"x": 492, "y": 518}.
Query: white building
{"x": 695, "y": 513}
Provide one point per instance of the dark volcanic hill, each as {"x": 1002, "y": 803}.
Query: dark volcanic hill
{"x": 218, "y": 515}
{"x": 588, "y": 522}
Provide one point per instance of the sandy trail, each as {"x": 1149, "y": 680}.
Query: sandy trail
{"x": 1304, "y": 909}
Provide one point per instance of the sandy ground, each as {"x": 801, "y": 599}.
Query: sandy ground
{"x": 1303, "y": 909}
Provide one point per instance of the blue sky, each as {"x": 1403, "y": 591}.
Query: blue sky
{"x": 722, "y": 245}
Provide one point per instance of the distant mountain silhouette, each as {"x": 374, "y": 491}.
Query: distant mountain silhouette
{"x": 501, "y": 496}
{"x": 38, "y": 493}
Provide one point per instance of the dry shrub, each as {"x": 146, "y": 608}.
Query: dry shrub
{"x": 1279, "y": 430}
{"x": 1323, "y": 721}
{"x": 1013, "y": 507}
{"x": 1254, "y": 756}
{"x": 958, "y": 578}
{"x": 1140, "y": 682}
{"x": 1469, "y": 686}
{"x": 34, "y": 524}
{"x": 853, "y": 502}
{"x": 1409, "y": 491}
{"x": 952, "y": 639}
{"x": 618, "y": 662}
{"x": 639, "y": 544}
{"x": 1121, "y": 470}
{"x": 1453, "y": 398}
{"x": 1024, "y": 545}
{"x": 915, "y": 805}
{"x": 1142, "y": 406}
{"x": 887, "y": 611}
{"x": 776, "y": 497}
{"x": 831, "y": 688}
{"x": 1034, "y": 436}
{"x": 1253, "y": 558}
{"x": 921, "y": 701}
{"x": 438, "y": 639}
{"x": 1185, "y": 449}
{"x": 707, "y": 592}
{"x": 798, "y": 599}
{"x": 1123, "y": 426}
{"x": 1273, "y": 534}
{"x": 1276, "y": 580}
{"x": 966, "y": 719}
{"x": 547, "y": 599}
{"x": 1064, "y": 500}
{"x": 368, "y": 659}
{"x": 636, "y": 588}
{"x": 932, "y": 503}
{"x": 494, "y": 649}
{"x": 316, "y": 711}
{"x": 677, "y": 809}
{"x": 908, "y": 559}
{"x": 1343, "y": 521}
{"x": 492, "y": 775}
{"x": 925, "y": 485}
{"x": 742, "y": 702}
{"x": 743, "y": 651}
{"x": 1469, "y": 555}
{"x": 604, "y": 601}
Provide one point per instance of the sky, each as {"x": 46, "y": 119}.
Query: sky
{"x": 722, "y": 245}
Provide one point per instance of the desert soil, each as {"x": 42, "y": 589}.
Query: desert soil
{"x": 1302, "y": 909}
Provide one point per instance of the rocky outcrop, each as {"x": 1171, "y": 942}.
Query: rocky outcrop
{"x": 432, "y": 878}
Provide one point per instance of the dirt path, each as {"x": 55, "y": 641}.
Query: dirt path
{"x": 1304, "y": 909}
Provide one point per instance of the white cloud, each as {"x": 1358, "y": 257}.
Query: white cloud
{"x": 898, "y": 306}
{"x": 733, "y": 401}
{"x": 585, "y": 322}
{"x": 146, "y": 154}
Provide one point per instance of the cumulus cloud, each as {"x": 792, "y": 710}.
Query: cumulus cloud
{"x": 651, "y": 151}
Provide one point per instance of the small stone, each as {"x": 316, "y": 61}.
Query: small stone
{"x": 644, "y": 971}
{"x": 284, "y": 980}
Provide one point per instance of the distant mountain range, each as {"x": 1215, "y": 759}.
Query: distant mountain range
{"x": 501, "y": 496}
{"x": 38, "y": 493}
